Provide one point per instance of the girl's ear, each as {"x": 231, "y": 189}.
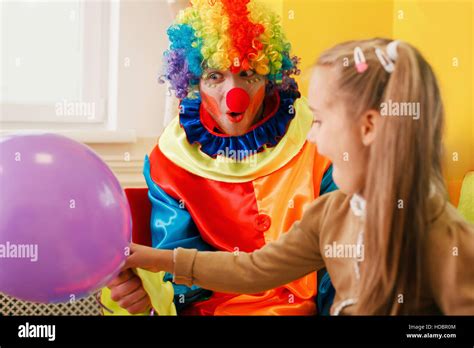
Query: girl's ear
{"x": 369, "y": 123}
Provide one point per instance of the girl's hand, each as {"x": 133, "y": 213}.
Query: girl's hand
{"x": 127, "y": 290}
{"x": 150, "y": 259}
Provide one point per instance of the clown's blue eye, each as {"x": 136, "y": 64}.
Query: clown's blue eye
{"x": 214, "y": 76}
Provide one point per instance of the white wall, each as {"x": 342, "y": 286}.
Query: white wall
{"x": 140, "y": 98}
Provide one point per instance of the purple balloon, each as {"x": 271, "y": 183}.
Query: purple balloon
{"x": 64, "y": 219}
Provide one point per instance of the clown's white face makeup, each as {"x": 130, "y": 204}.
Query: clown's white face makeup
{"x": 234, "y": 101}
{"x": 337, "y": 133}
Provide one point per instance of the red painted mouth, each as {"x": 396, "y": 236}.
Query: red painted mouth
{"x": 235, "y": 117}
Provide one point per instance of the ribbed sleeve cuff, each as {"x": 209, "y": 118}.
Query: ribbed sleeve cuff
{"x": 183, "y": 265}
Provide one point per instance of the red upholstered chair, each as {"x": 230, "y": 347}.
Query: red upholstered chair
{"x": 140, "y": 207}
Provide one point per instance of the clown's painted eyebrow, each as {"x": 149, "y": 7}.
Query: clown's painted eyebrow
{"x": 244, "y": 72}
{"x": 210, "y": 70}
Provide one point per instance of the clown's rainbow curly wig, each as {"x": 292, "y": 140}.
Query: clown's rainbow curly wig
{"x": 227, "y": 34}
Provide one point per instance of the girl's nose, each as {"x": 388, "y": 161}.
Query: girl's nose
{"x": 237, "y": 100}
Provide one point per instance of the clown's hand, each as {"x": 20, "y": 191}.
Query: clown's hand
{"x": 140, "y": 286}
{"x": 127, "y": 290}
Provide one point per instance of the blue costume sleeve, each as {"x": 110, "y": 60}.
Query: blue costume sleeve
{"x": 327, "y": 184}
{"x": 326, "y": 291}
{"x": 172, "y": 226}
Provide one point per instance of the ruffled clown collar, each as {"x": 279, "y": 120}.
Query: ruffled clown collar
{"x": 201, "y": 129}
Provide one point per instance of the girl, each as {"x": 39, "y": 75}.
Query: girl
{"x": 391, "y": 242}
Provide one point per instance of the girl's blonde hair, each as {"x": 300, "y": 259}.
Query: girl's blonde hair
{"x": 404, "y": 171}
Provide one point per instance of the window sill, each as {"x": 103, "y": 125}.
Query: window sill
{"x": 85, "y": 136}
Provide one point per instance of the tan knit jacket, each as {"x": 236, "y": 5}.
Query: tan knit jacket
{"x": 329, "y": 235}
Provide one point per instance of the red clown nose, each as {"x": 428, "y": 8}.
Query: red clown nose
{"x": 237, "y": 100}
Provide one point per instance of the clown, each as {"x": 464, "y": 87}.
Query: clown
{"x": 233, "y": 170}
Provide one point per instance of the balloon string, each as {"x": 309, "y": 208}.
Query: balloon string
{"x": 97, "y": 296}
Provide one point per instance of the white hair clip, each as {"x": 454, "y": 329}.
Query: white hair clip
{"x": 384, "y": 60}
{"x": 392, "y": 50}
{"x": 359, "y": 60}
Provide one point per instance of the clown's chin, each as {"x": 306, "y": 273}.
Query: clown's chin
{"x": 235, "y": 117}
